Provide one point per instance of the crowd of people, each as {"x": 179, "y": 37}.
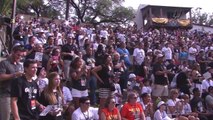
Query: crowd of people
{"x": 70, "y": 71}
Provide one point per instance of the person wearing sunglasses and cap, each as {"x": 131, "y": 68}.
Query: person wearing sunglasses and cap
{"x": 132, "y": 110}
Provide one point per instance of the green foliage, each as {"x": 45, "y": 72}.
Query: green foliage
{"x": 5, "y": 7}
{"x": 38, "y": 6}
{"x": 103, "y": 10}
{"x": 202, "y": 18}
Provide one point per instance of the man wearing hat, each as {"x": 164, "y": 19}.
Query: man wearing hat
{"x": 41, "y": 37}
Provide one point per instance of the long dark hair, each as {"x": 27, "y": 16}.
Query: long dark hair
{"x": 74, "y": 63}
{"x": 108, "y": 101}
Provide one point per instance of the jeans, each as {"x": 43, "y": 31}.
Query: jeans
{"x": 67, "y": 69}
{"x": 5, "y": 108}
{"x": 93, "y": 87}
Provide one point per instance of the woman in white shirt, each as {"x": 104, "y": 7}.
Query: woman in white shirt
{"x": 175, "y": 106}
{"x": 160, "y": 113}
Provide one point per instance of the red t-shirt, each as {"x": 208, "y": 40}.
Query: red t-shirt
{"x": 111, "y": 115}
{"x": 131, "y": 112}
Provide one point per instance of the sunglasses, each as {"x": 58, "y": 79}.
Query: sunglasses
{"x": 113, "y": 102}
{"x": 134, "y": 97}
{"x": 87, "y": 103}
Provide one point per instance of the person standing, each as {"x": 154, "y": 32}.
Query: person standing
{"x": 69, "y": 50}
{"x": 161, "y": 79}
{"x": 9, "y": 70}
{"x": 53, "y": 95}
{"x": 138, "y": 59}
{"x": 79, "y": 75}
{"x": 104, "y": 73}
{"x": 24, "y": 94}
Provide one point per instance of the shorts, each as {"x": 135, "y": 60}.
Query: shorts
{"x": 79, "y": 93}
{"x": 160, "y": 90}
{"x": 104, "y": 92}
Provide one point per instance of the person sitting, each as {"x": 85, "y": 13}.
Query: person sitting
{"x": 132, "y": 110}
{"x": 174, "y": 105}
{"x": 187, "y": 111}
{"x": 110, "y": 112}
{"x": 52, "y": 95}
{"x": 147, "y": 105}
{"x": 85, "y": 112}
{"x": 197, "y": 105}
{"x": 160, "y": 113}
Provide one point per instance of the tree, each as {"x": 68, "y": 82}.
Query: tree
{"x": 39, "y": 7}
{"x": 101, "y": 11}
{"x": 5, "y": 8}
{"x": 202, "y": 18}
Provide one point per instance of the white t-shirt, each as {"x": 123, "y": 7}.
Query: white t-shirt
{"x": 81, "y": 40}
{"x": 104, "y": 33}
{"x": 91, "y": 114}
{"x": 122, "y": 37}
{"x": 209, "y": 103}
{"x": 186, "y": 109}
{"x": 67, "y": 94}
{"x": 167, "y": 52}
{"x": 161, "y": 115}
{"x": 192, "y": 52}
{"x": 139, "y": 55}
{"x": 206, "y": 84}
{"x": 42, "y": 83}
{"x": 117, "y": 91}
{"x": 146, "y": 89}
{"x": 40, "y": 41}
{"x": 172, "y": 103}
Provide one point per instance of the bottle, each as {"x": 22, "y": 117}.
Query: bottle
{"x": 60, "y": 103}
{"x": 200, "y": 106}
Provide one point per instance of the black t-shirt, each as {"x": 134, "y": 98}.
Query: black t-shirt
{"x": 44, "y": 61}
{"x": 44, "y": 101}
{"x": 105, "y": 75}
{"x": 81, "y": 83}
{"x": 197, "y": 104}
{"x": 159, "y": 79}
{"x": 89, "y": 60}
{"x": 68, "y": 48}
{"x": 27, "y": 94}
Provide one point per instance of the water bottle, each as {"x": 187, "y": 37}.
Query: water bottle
{"x": 60, "y": 103}
{"x": 200, "y": 106}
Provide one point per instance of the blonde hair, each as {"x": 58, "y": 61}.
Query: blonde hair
{"x": 173, "y": 91}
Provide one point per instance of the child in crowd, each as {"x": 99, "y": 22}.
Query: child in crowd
{"x": 146, "y": 87}
{"x": 132, "y": 82}
{"x": 117, "y": 91}
{"x": 42, "y": 80}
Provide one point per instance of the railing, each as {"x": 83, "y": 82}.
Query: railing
{"x": 165, "y": 22}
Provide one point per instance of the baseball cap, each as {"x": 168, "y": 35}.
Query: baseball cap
{"x": 149, "y": 50}
{"x": 161, "y": 103}
{"x": 160, "y": 55}
{"x": 132, "y": 75}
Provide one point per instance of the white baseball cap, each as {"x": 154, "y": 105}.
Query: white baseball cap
{"x": 161, "y": 103}
{"x": 132, "y": 75}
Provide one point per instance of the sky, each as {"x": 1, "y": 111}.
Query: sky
{"x": 206, "y": 5}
